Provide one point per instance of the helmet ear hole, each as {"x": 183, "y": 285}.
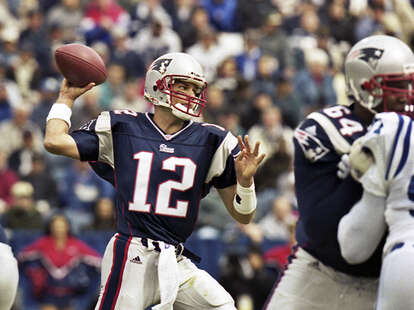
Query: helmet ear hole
{"x": 154, "y": 88}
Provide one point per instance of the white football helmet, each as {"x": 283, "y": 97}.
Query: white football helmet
{"x": 162, "y": 74}
{"x": 379, "y": 66}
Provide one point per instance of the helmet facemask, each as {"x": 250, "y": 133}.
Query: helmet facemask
{"x": 395, "y": 91}
{"x": 189, "y": 105}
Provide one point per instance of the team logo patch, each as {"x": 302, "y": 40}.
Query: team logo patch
{"x": 311, "y": 146}
{"x": 161, "y": 65}
{"x": 370, "y": 55}
{"x": 166, "y": 149}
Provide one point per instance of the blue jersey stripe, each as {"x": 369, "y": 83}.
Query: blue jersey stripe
{"x": 397, "y": 137}
{"x": 406, "y": 149}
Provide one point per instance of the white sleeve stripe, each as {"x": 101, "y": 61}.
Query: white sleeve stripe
{"x": 339, "y": 143}
{"x": 218, "y": 164}
{"x": 104, "y": 133}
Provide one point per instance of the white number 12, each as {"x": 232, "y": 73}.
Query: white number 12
{"x": 163, "y": 197}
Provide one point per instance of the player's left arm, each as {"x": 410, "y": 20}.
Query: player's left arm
{"x": 240, "y": 199}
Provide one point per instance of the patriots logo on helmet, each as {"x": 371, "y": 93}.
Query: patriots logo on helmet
{"x": 371, "y": 55}
{"x": 161, "y": 65}
{"x": 311, "y": 146}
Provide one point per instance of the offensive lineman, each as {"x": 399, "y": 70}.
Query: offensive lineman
{"x": 162, "y": 165}
{"x": 318, "y": 277}
{"x": 9, "y": 273}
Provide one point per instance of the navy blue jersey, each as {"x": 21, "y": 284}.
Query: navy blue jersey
{"x": 323, "y": 198}
{"x": 3, "y": 238}
{"x": 159, "y": 178}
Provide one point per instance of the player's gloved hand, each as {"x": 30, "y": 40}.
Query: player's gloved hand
{"x": 360, "y": 159}
{"x": 343, "y": 167}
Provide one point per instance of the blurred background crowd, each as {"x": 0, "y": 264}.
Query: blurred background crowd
{"x": 268, "y": 64}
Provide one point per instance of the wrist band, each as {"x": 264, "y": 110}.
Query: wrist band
{"x": 60, "y": 111}
{"x": 245, "y": 199}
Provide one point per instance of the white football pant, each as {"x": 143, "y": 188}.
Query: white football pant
{"x": 130, "y": 280}
{"x": 396, "y": 280}
{"x": 309, "y": 284}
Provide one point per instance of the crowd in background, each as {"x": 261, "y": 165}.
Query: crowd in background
{"x": 268, "y": 64}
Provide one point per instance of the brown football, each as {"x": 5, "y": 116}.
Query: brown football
{"x": 80, "y": 64}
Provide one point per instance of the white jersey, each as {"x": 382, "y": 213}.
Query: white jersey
{"x": 391, "y": 141}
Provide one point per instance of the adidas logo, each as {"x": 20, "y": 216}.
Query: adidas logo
{"x": 136, "y": 260}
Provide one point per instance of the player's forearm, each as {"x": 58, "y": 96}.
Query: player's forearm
{"x": 57, "y": 139}
{"x": 361, "y": 230}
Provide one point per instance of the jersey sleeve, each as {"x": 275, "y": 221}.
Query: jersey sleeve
{"x": 388, "y": 140}
{"x": 222, "y": 172}
{"x": 94, "y": 140}
{"x": 319, "y": 140}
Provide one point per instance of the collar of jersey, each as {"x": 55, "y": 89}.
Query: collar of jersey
{"x": 162, "y": 133}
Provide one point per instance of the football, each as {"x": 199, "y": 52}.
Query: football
{"x": 80, "y": 64}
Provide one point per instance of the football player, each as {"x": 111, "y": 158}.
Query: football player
{"x": 9, "y": 273}
{"x": 383, "y": 161}
{"x": 318, "y": 277}
{"x": 162, "y": 164}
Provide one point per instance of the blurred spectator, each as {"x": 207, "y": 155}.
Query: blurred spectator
{"x": 230, "y": 120}
{"x": 45, "y": 189}
{"x": 67, "y": 15}
{"x": 247, "y": 62}
{"x": 59, "y": 267}
{"x": 5, "y": 108}
{"x": 288, "y": 102}
{"x": 145, "y": 11}
{"x": 21, "y": 160}
{"x": 188, "y": 19}
{"x": 79, "y": 191}
{"x": 11, "y": 131}
{"x": 262, "y": 279}
{"x": 314, "y": 84}
{"x": 276, "y": 225}
{"x": 130, "y": 99}
{"x": 9, "y": 48}
{"x": 22, "y": 213}
{"x": 24, "y": 70}
{"x": 87, "y": 109}
{"x": 275, "y": 42}
{"x": 340, "y": 23}
{"x": 12, "y": 93}
{"x": 252, "y": 13}
{"x": 208, "y": 52}
{"x": 113, "y": 86}
{"x": 271, "y": 133}
{"x": 246, "y": 277}
{"x": 222, "y": 14}
{"x": 377, "y": 20}
{"x": 252, "y": 115}
{"x": 276, "y": 143}
{"x": 123, "y": 54}
{"x": 35, "y": 38}
{"x": 267, "y": 73}
{"x": 228, "y": 77}
{"x": 7, "y": 179}
{"x": 104, "y": 216}
{"x": 101, "y": 16}
{"x": 155, "y": 40}
{"x": 216, "y": 104}
{"x": 49, "y": 90}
